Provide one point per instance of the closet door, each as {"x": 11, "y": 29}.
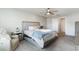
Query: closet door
{"x": 77, "y": 33}
{"x": 77, "y": 36}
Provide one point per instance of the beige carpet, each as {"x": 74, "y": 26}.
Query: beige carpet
{"x": 60, "y": 44}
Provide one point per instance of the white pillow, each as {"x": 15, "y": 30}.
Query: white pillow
{"x": 33, "y": 27}
{"x": 3, "y": 31}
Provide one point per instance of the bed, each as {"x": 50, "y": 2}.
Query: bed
{"x": 39, "y": 37}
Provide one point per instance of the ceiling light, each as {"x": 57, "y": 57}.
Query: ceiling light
{"x": 48, "y": 13}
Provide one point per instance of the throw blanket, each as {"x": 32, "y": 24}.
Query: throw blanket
{"x": 39, "y": 34}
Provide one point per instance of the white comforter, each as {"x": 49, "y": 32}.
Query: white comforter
{"x": 30, "y": 32}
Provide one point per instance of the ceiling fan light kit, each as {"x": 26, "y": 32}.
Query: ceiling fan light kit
{"x": 48, "y": 13}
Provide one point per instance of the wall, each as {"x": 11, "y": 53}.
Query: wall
{"x": 70, "y": 24}
{"x": 49, "y": 23}
{"x": 70, "y": 20}
{"x": 52, "y": 23}
{"x": 12, "y": 18}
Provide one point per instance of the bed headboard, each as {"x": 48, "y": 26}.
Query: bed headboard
{"x": 26, "y": 24}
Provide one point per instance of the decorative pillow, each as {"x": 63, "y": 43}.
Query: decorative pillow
{"x": 33, "y": 27}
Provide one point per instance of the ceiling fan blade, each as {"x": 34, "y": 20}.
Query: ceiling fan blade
{"x": 48, "y": 12}
{"x": 52, "y": 13}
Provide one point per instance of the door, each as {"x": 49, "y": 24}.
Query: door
{"x": 62, "y": 27}
{"x": 77, "y": 33}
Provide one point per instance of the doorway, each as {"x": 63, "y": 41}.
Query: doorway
{"x": 62, "y": 26}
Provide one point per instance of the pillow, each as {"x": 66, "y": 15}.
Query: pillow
{"x": 3, "y": 31}
{"x": 33, "y": 27}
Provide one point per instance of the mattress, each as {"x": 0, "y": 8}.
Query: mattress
{"x": 28, "y": 33}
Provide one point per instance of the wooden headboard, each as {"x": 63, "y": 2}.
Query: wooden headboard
{"x": 26, "y": 24}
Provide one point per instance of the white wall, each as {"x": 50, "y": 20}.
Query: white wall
{"x": 49, "y": 23}
{"x": 70, "y": 20}
{"x": 52, "y": 23}
{"x": 70, "y": 24}
{"x": 12, "y": 18}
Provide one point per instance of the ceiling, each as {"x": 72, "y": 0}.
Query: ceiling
{"x": 61, "y": 11}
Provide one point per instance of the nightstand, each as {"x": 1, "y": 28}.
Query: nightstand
{"x": 14, "y": 42}
{"x": 19, "y": 35}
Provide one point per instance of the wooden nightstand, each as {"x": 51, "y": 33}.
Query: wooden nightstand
{"x": 19, "y": 35}
{"x": 14, "y": 42}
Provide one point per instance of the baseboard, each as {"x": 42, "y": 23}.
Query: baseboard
{"x": 70, "y": 36}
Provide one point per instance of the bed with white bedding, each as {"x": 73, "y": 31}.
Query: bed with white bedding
{"x": 40, "y": 37}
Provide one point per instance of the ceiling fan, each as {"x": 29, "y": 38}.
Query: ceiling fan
{"x": 49, "y": 12}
